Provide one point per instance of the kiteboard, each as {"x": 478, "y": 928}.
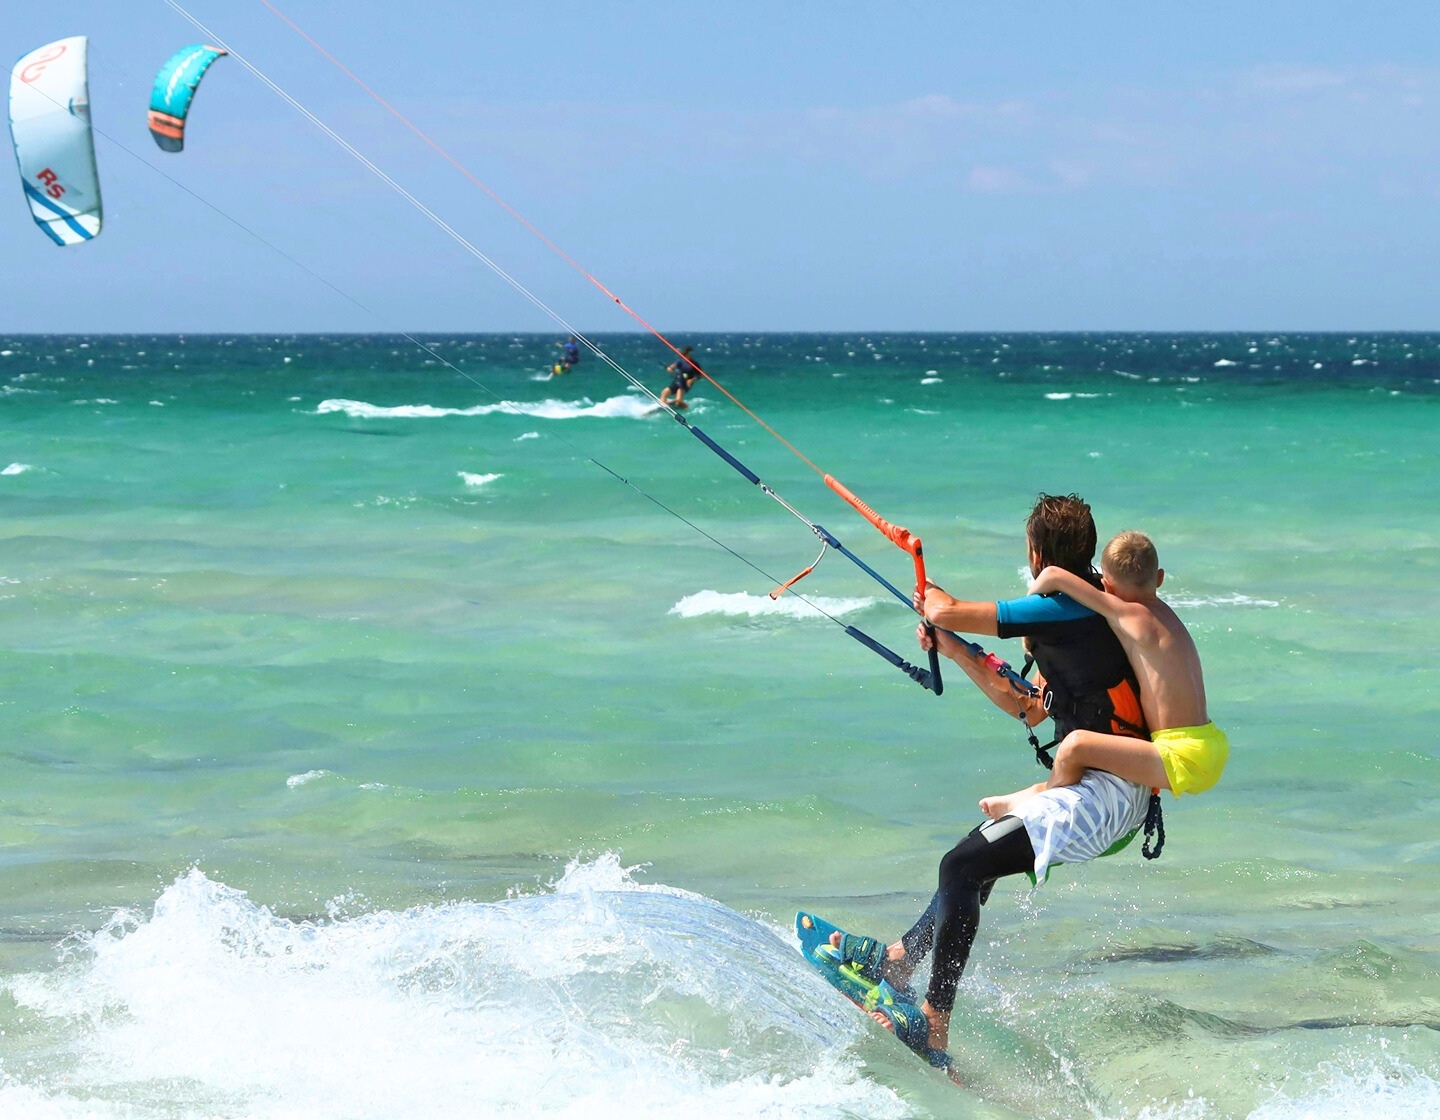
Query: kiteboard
{"x": 814, "y": 935}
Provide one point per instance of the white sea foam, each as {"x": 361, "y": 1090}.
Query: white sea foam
{"x": 740, "y": 604}
{"x": 1375, "y": 1089}
{"x": 604, "y": 998}
{"x": 623, "y": 407}
{"x": 17, "y": 468}
{"x": 1067, "y": 396}
{"x": 1223, "y": 362}
{"x": 1235, "y": 600}
{"x": 527, "y": 435}
{"x": 930, "y": 380}
{"x": 294, "y": 781}
{"x": 478, "y": 479}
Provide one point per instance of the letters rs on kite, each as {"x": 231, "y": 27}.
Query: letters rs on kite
{"x": 174, "y": 91}
{"x": 50, "y": 126}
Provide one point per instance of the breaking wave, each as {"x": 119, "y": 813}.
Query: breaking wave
{"x": 1235, "y": 600}
{"x": 622, "y": 407}
{"x": 603, "y": 998}
{"x": 740, "y": 604}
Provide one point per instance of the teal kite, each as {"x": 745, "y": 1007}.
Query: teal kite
{"x": 174, "y": 90}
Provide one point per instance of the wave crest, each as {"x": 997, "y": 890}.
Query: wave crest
{"x": 741, "y": 604}
{"x": 621, "y": 407}
{"x": 601, "y": 994}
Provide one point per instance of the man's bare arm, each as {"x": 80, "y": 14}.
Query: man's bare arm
{"x": 942, "y": 609}
{"x": 995, "y": 688}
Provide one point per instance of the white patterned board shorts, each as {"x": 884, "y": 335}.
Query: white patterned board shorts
{"x": 1074, "y": 823}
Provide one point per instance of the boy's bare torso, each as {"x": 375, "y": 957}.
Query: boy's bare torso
{"x": 1172, "y": 688}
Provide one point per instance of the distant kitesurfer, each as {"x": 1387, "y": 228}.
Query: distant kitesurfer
{"x": 569, "y": 357}
{"x": 1187, "y": 752}
{"x": 683, "y": 374}
{"x": 1086, "y": 683}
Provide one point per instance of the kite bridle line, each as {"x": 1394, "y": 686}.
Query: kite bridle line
{"x": 902, "y": 538}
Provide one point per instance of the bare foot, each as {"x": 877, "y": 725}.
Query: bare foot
{"x": 939, "y": 1038}
{"x": 896, "y": 970}
{"x": 939, "y": 1026}
{"x": 997, "y": 807}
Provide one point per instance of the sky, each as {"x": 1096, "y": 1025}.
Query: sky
{"x": 746, "y": 166}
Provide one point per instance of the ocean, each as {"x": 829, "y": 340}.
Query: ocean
{"x": 370, "y": 751}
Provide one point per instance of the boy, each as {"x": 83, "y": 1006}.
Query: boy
{"x": 1188, "y": 755}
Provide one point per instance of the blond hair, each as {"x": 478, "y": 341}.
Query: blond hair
{"x": 1130, "y": 558}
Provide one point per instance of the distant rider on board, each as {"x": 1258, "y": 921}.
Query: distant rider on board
{"x": 569, "y": 357}
{"x": 684, "y": 373}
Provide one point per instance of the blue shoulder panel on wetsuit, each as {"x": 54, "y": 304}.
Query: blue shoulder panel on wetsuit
{"x": 1032, "y": 610}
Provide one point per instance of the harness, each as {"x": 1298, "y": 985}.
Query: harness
{"x": 1119, "y": 709}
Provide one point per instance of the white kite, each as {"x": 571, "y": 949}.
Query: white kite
{"x": 50, "y": 125}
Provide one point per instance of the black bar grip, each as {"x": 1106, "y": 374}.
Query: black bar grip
{"x": 939, "y": 686}
{"x": 920, "y": 676}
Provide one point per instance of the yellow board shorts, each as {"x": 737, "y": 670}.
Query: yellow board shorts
{"x": 1194, "y": 757}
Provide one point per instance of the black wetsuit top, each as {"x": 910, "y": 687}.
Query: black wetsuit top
{"x": 685, "y": 373}
{"x": 1088, "y": 678}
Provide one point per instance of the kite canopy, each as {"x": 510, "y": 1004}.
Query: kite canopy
{"x": 50, "y": 125}
{"x": 174, "y": 90}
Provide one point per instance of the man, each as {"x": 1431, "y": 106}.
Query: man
{"x": 684, "y": 373}
{"x": 569, "y": 357}
{"x": 1086, "y": 683}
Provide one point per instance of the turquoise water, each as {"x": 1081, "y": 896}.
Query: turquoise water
{"x": 371, "y": 752}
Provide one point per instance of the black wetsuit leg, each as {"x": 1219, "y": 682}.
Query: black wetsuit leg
{"x": 993, "y": 850}
{"x": 919, "y": 939}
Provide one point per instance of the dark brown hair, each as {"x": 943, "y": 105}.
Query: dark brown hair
{"x": 1062, "y": 531}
